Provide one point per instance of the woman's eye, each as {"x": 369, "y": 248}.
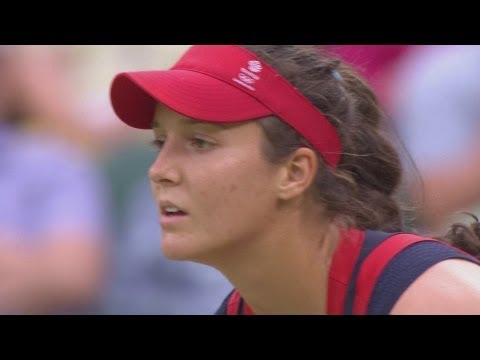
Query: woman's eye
{"x": 201, "y": 144}
{"x": 157, "y": 144}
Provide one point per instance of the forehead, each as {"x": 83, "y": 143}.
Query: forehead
{"x": 165, "y": 117}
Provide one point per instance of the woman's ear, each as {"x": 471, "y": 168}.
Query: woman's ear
{"x": 297, "y": 173}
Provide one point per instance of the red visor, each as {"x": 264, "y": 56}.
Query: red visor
{"x": 222, "y": 83}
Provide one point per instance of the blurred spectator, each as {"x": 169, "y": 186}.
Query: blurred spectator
{"x": 437, "y": 113}
{"x": 62, "y": 91}
{"x": 52, "y": 200}
{"x": 41, "y": 89}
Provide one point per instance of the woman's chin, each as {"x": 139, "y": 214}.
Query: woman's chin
{"x": 175, "y": 248}
{"x": 173, "y": 253}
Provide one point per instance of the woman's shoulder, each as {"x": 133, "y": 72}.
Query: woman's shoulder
{"x": 451, "y": 286}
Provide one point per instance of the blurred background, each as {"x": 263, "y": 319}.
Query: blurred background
{"x": 78, "y": 227}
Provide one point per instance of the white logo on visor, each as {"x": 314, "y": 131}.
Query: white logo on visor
{"x": 249, "y": 75}
{"x": 254, "y": 66}
{"x": 246, "y": 78}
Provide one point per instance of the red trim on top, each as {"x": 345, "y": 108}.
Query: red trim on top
{"x": 375, "y": 263}
{"x": 247, "y": 310}
{"x": 341, "y": 269}
{"x": 233, "y": 302}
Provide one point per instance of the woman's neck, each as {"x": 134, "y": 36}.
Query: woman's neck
{"x": 286, "y": 270}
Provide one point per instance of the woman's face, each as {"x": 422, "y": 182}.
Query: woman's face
{"x": 212, "y": 185}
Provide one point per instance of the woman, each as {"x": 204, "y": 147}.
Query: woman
{"x": 273, "y": 168}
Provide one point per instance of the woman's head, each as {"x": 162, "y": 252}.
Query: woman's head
{"x": 360, "y": 169}
{"x": 316, "y": 123}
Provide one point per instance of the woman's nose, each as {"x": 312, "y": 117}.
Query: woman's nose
{"x": 164, "y": 170}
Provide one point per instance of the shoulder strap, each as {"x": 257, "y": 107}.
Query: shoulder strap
{"x": 234, "y": 302}
{"x": 370, "y": 242}
{"x": 237, "y": 306}
{"x": 373, "y": 265}
{"x": 342, "y": 270}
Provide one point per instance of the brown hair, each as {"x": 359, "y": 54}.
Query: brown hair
{"x": 362, "y": 191}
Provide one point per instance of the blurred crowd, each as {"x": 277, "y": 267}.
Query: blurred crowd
{"x": 79, "y": 230}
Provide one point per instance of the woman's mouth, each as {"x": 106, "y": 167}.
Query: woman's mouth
{"x": 170, "y": 214}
